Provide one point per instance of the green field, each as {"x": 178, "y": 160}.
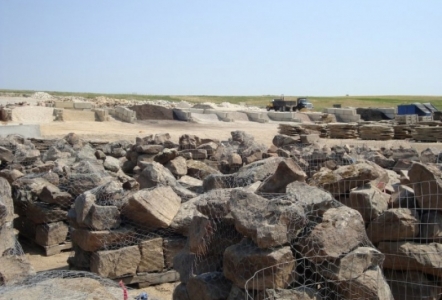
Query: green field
{"x": 319, "y": 102}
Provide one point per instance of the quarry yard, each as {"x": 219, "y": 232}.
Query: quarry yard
{"x": 254, "y": 204}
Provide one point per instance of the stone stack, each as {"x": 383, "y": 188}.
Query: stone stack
{"x": 245, "y": 242}
{"x": 343, "y": 130}
{"x": 14, "y": 266}
{"x": 320, "y": 129}
{"x": 402, "y": 132}
{"x": 428, "y": 134}
{"x": 376, "y": 132}
{"x": 127, "y": 235}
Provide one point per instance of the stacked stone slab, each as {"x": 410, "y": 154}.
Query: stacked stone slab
{"x": 428, "y": 134}
{"x": 124, "y": 114}
{"x": 376, "y": 132}
{"x": 343, "y": 130}
{"x": 402, "y": 132}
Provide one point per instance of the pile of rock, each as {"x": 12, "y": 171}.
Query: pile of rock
{"x": 14, "y": 266}
{"x": 343, "y": 130}
{"x": 376, "y": 132}
{"x": 273, "y": 237}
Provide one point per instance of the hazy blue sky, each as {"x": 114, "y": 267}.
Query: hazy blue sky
{"x": 223, "y": 47}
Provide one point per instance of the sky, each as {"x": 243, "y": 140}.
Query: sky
{"x": 229, "y": 47}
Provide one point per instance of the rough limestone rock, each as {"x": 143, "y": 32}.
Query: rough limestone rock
{"x": 6, "y": 202}
{"x": 368, "y": 200}
{"x": 199, "y": 169}
{"x": 188, "y": 264}
{"x": 14, "y": 269}
{"x": 155, "y": 174}
{"x": 191, "y": 183}
{"x": 51, "y": 234}
{"x": 268, "y": 223}
{"x": 341, "y": 230}
{"x": 96, "y": 240}
{"x": 352, "y": 265}
{"x": 409, "y": 256}
{"x": 311, "y": 198}
{"x": 286, "y": 172}
{"x": 411, "y": 285}
{"x": 152, "y": 256}
{"x": 116, "y": 263}
{"x": 11, "y": 175}
{"x": 53, "y": 195}
{"x": 40, "y": 213}
{"x": 345, "y": 178}
{"x": 219, "y": 181}
{"x": 187, "y": 211}
{"x": 431, "y": 155}
{"x": 431, "y": 226}
{"x": 208, "y": 286}
{"x": 242, "y": 260}
{"x": 214, "y": 203}
{"x": 171, "y": 247}
{"x": 395, "y": 224}
{"x": 426, "y": 182}
{"x": 209, "y": 237}
{"x": 177, "y": 166}
{"x": 154, "y": 208}
{"x": 111, "y": 164}
{"x": 257, "y": 171}
{"x": 370, "y": 285}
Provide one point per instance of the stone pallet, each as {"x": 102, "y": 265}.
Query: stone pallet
{"x": 425, "y": 119}
{"x": 292, "y": 130}
{"x": 376, "y": 132}
{"x": 343, "y": 130}
{"x": 49, "y": 250}
{"x": 402, "y": 132}
{"x": 406, "y": 119}
{"x": 428, "y": 134}
{"x": 320, "y": 129}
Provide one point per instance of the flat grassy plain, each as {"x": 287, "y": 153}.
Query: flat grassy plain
{"x": 319, "y": 103}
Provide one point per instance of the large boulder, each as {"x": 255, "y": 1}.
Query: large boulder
{"x": 14, "y": 269}
{"x": 427, "y": 182}
{"x": 368, "y": 200}
{"x": 155, "y": 174}
{"x": 92, "y": 241}
{"x": 410, "y": 256}
{"x": 341, "y": 230}
{"x": 394, "y": 225}
{"x": 187, "y": 211}
{"x": 268, "y": 223}
{"x": 152, "y": 256}
{"x": 286, "y": 172}
{"x": 199, "y": 169}
{"x": 412, "y": 285}
{"x": 154, "y": 208}
{"x": 273, "y": 268}
{"x": 431, "y": 226}
{"x": 311, "y": 198}
{"x": 257, "y": 171}
{"x": 116, "y": 263}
